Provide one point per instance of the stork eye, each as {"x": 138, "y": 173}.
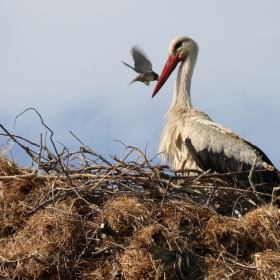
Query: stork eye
{"x": 178, "y": 45}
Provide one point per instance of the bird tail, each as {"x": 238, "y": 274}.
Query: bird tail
{"x": 140, "y": 80}
{"x": 136, "y": 79}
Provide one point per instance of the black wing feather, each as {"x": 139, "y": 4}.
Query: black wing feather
{"x": 219, "y": 162}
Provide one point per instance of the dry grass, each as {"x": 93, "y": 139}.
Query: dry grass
{"x": 51, "y": 216}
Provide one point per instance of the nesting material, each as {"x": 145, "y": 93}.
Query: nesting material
{"x": 50, "y": 222}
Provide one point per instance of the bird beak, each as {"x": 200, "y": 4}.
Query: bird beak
{"x": 169, "y": 67}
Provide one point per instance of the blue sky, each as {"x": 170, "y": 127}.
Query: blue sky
{"x": 64, "y": 59}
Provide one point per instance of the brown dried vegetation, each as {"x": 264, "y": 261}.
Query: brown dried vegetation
{"x": 51, "y": 216}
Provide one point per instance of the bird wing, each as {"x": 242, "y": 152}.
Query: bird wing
{"x": 231, "y": 133}
{"x": 129, "y": 66}
{"x": 218, "y": 148}
{"x": 207, "y": 136}
{"x": 220, "y": 128}
{"x": 227, "y": 137}
{"x": 141, "y": 63}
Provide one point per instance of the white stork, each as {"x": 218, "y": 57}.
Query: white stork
{"x": 191, "y": 140}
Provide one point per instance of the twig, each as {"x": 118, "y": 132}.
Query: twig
{"x": 275, "y": 197}
{"x": 235, "y": 204}
{"x": 201, "y": 175}
{"x": 27, "y": 150}
{"x": 19, "y": 137}
{"x": 165, "y": 193}
{"x": 54, "y": 198}
{"x": 250, "y": 177}
{"x": 120, "y": 142}
{"x": 42, "y": 121}
{"x": 38, "y": 159}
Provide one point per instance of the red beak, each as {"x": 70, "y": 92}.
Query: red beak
{"x": 169, "y": 67}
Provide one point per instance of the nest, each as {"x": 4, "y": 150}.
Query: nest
{"x": 51, "y": 217}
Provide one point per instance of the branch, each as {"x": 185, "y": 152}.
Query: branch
{"x": 250, "y": 177}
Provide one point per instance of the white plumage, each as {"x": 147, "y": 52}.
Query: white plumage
{"x": 190, "y": 139}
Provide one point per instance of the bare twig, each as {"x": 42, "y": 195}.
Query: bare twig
{"x": 250, "y": 177}
{"x": 165, "y": 193}
{"x": 26, "y": 149}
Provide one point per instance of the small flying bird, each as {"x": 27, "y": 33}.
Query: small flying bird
{"x": 167, "y": 258}
{"x": 107, "y": 233}
{"x": 142, "y": 65}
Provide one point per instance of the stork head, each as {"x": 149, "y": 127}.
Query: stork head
{"x": 180, "y": 48}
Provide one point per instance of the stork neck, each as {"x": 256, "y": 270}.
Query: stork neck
{"x": 182, "y": 91}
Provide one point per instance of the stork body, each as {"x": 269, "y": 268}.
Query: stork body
{"x": 191, "y": 140}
